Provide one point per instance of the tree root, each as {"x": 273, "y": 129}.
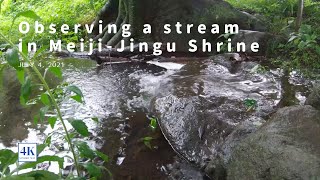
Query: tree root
{"x": 108, "y": 12}
{"x": 125, "y": 15}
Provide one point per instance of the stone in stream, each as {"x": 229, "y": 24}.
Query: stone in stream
{"x": 249, "y": 37}
{"x": 204, "y": 117}
{"x": 286, "y": 147}
{"x": 314, "y": 98}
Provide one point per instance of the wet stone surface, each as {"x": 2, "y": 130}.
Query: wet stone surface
{"x": 206, "y": 105}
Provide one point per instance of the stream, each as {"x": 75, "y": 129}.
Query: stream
{"x": 121, "y": 96}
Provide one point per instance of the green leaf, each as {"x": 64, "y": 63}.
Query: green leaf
{"x": 147, "y": 138}
{"x": 153, "y": 123}
{"x": 20, "y": 76}
{"x": 95, "y": 119}
{"x": 40, "y": 148}
{"x": 28, "y": 14}
{"x": 92, "y": 4}
{"x": 72, "y": 135}
{"x": 148, "y": 144}
{"x": 12, "y": 56}
{"x": 93, "y": 170}
{"x": 40, "y": 51}
{"x": 147, "y": 141}
{"x": 48, "y": 140}
{"x": 104, "y": 157}
{"x": 80, "y": 127}
{"x": 7, "y": 157}
{"x": 43, "y": 112}
{"x": 52, "y": 121}
{"x": 35, "y": 175}
{"x": 17, "y": 177}
{"x": 75, "y": 89}
{"x": 85, "y": 150}
{"x": 45, "y": 99}
{"x": 5, "y": 171}
{"x": 36, "y": 119}
{"x": 250, "y": 104}
{"x": 41, "y": 160}
{"x": 26, "y": 89}
{"x": 56, "y": 71}
{"x": 77, "y": 98}
{"x": 24, "y": 48}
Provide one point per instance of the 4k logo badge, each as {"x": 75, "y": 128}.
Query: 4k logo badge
{"x": 27, "y": 152}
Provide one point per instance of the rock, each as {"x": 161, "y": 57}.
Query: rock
{"x": 258, "y": 24}
{"x": 206, "y": 12}
{"x": 249, "y": 37}
{"x": 181, "y": 170}
{"x": 314, "y": 98}
{"x": 215, "y": 169}
{"x": 286, "y": 147}
{"x": 205, "y": 105}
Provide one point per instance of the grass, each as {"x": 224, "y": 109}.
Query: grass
{"x": 53, "y": 11}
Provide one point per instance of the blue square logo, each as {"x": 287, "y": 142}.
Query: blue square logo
{"x": 27, "y": 152}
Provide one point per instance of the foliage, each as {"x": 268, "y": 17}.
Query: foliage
{"x": 147, "y": 141}
{"x": 53, "y": 11}
{"x": 49, "y": 99}
{"x": 301, "y": 50}
{"x": 153, "y": 123}
{"x": 250, "y": 104}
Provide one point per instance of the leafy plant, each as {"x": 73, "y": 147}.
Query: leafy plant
{"x": 153, "y": 123}
{"x": 250, "y": 104}
{"x": 147, "y": 141}
{"x": 49, "y": 99}
{"x": 224, "y": 38}
{"x": 302, "y": 50}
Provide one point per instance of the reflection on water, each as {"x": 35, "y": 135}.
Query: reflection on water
{"x": 13, "y": 117}
{"x": 118, "y": 95}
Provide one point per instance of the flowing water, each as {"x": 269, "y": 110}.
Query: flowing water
{"x": 120, "y": 96}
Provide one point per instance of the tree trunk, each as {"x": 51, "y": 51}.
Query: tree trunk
{"x": 160, "y": 12}
{"x": 299, "y": 15}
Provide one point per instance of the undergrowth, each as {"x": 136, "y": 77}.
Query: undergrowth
{"x": 299, "y": 50}
{"x": 53, "y": 11}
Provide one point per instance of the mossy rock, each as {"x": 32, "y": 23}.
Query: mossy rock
{"x": 314, "y": 98}
{"x": 157, "y": 13}
{"x": 286, "y": 147}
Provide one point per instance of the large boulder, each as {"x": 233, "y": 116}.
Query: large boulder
{"x": 197, "y": 12}
{"x": 286, "y": 147}
{"x": 206, "y": 104}
{"x": 158, "y": 13}
{"x": 249, "y": 37}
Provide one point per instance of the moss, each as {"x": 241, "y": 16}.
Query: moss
{"x": 222, "y": 13}
{"x": 219, "y": 13}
